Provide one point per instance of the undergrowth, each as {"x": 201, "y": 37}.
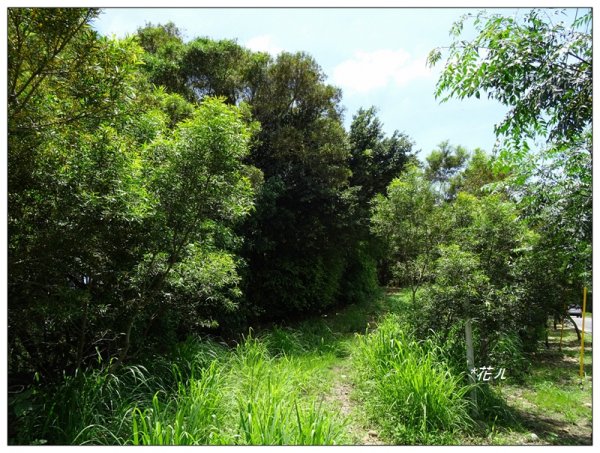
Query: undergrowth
{"x": 256, "y": 394}
{"x": 407, "y": 389}
{"x": 274, "y": 388}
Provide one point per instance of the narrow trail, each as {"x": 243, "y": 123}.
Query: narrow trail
{"x": 340, "y": 396}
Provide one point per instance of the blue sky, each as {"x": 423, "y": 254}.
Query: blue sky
{"x": 375, "y": 55}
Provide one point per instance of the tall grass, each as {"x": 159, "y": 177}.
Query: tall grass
{"x": 194, "y": 417}
{"x": 252, "y": 398}
{"x": 407, "y": 389}
{"x": 86, "y": 407}
{"x": 255, "y": 394}
{"x": 273, "y": 399}
{"x": 266, "y": 391}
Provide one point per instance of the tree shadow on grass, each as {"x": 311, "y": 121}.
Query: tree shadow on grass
{"x": 552, "y": 431}
{"x": 498, "y": 412}
{"x": 549, "y": 431}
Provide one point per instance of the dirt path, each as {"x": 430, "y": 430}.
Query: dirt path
{"x": 340, "y": 396}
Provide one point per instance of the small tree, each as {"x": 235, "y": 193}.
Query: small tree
{"x": 459, "y": 291}
{"x": 443, "y": 165}
{"x": 406, "y": 220}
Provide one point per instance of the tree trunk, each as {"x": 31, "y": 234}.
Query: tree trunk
{"x": 414, "y": 294}
{"x": 471, "y": 364}
{"x": 82, "y": 335}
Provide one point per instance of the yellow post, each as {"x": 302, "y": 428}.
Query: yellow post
{"x": 562, "y": 326}
{"x": 582, "y": 332}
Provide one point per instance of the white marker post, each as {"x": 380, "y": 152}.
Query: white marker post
{"x": 471, "y": 361}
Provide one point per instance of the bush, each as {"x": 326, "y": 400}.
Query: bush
{"x": 360, "y": 277}
{"x": 407, "y": 389}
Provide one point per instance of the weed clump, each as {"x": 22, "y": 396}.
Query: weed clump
{"x": 408, "y": 389}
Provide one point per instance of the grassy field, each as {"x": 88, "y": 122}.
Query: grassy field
{"x": 553, "y": 406}
{"x": 352, "y": 376}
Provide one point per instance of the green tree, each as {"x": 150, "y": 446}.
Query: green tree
{"x": 60, "y": 73}
{"x": 443, "y": 165}
{"x": 201, "y": 67}
{"x": 301, "y": 237}
{"x": 296, "y": 240}
{"x": 406, "y": 220}
{"x": 488, "y": 236}
{"x": 480, "y": 176}
{"x": 541, "y": 69}
{"x": 73, "y": 183}
{"x": 163, "y": 57}
{"x": 460, "y": 290}
{"x": 121, "y": 198}
{"x": 201, "y": 189}
{"x": 216, "y": 68}
{"x": 375, "y": 159}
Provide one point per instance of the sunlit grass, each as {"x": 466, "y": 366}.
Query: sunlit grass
{"x": 276, "y": 387}
{"x": 407, "y": 389}
{"x": 553, "y": 400}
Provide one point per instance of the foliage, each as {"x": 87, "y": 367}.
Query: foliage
{"x": 408, "y": 390}
{"x": 405, "y": 221}
{"x": 164, "y": 52}
{"x": 303, "y": 222}
{"x": 61, "y": 72}
{"x": 443, "y": 165}
{"x": 472, "y": 256}
{"x": 215, "y": 68}
{"x": 479, "y": 273}
{"x": 296, "y": 238}
{"x": 375, "y": 159}
{"x": 481, "y": 175}
{"x": 75, "y": 187}
{"x": 541, "y": 69}
{"x": 360, "y": 276}
{"x": 557, "y": 200}
{"x": 122, "y": 199}
{"x": 459, "y": 290}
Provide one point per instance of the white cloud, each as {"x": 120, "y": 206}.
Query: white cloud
{"x": 368, "y": 71}
{"x": 263, "y": 43}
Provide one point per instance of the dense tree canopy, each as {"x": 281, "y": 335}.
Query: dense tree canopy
{"x": 160, "y": 188}
{"x": 121, "y": 198}
{"x": 302, "y": 238}
{"x": 542, "y": 69}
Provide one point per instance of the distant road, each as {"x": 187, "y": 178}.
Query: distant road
{"x": 588, "y": 323}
